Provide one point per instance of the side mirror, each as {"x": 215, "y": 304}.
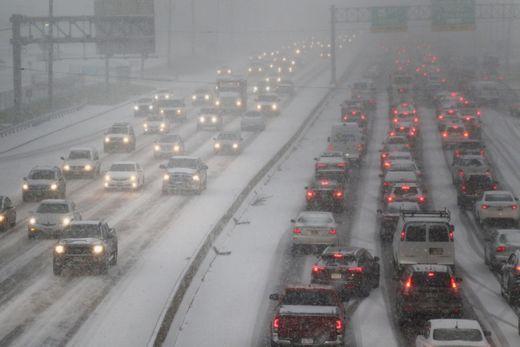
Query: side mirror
{"x": 376, "y": 259}
{"x": 62, "y": 158}
{"x": 487, "y": 333}
{"x": 379, "y": 211}
{"x": 458, "y": 279}
{"x": 293, "y": 220}
{"x": 328, "y": 139}
{"x": 274, "y": 297}
{"x": 162, "y": 166}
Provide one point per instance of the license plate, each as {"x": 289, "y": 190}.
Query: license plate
{"x": 335, "y": 276}
{"x": 499, "y": 208}
{"x": 307, "y": 341}
{"x": 436, "y": 251}
{"x": 314, "y": 232}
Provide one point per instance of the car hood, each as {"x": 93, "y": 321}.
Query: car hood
{"x": 78, "y": 162}
{"x": 121, "y": 174}
{"x": 308, "y": 310}
{"x": 80, "y": 241}
{"x": 40, "y": 182}
{"x": 182, "y": 170}
{"x": 50, "y": 218}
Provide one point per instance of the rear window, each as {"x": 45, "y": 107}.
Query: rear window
{"x": 431, "y": 279}
{"x": 479, "y": 181}
{"x": 457, "y": 335}
{"x": 499, "y": 197}
{"x": 315, "y": 219}
{"x": 438, "y": 233}
{"x": 455, "y": 130}
{"x": 511, "y": 237}
{"x": 345, "y": 260}
{"x": 473, "y": 162}
{"x": 405, "y": 190}
{"x": 307, "y": 297}
{"x": 416, "y": 233}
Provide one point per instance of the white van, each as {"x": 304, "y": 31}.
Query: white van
{"x": 347, "y": 138}
{"x": 424, "y": 238}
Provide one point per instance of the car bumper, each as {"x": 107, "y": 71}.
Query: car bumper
{"x": 41, "y": 193}
{"x": 82, "y": 260}
{"x": 432, "y": 308}
{"x": 285, "y": 342}
{"x": 486, "y": 214}
{"x": 319, "y": 240}
{"x": 122, "y": 185}
{"x": 181, "y": 187}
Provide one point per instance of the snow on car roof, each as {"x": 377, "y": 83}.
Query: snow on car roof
{"x": 429, "y": 267}
{"x": 453, "y": 323}
{"x": 124, "y": 163}
{"x": 81, "y": 149}
{"x": 54, "y": 201}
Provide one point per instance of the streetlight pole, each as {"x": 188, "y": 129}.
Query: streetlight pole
{"x": 169, "y": 35}
{"x": 50, "y": 57}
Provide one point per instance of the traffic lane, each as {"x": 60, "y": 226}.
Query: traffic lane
{"x": 479, "y": 288}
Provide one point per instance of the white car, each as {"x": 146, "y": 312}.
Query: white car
{"x": 313, "y": 228}
{"x": 453, "y": 332}
{"x": 252, "y": 121}
{"x": 81, "y": 161}
{"x": 124, "y": 175}
{"x": 497, "y": 205}
{"x": 268, "y": 103}
{"x": 156, "y": 124}
{"x": 51, "y": 217}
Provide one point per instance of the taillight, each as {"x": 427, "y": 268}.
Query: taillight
{"x": 395, "y": 111}
{"x": 494, "y": 187}
{"x": 341, "y": 165}
{"x": 461, "y": 173}
{"x": 384, "y": 155}
{"x": 484, "y": 207}
{"x": 317, "y": 269}
{"x": 408, "y": 284}
{"x": 445, "y": 134}
{"x": 276, "y": 323}
{"x": 324, "y": 182}
{"x": 332, "y": 231}
{"x": 297, "y": 231}
{"x": 338, "y": 194}
{"x": 416, "y": 120}
{"x": 421, "y": 199}
{"x": 386, "y": 184}
{"x": 451, "y": 233}
{"x": 321, "y": 165}
{"x": 514, "y": 207}
{"x": 356, "y": 269}
{"x": 500, "y": 249}
{"x": 440, "y": 117}
{"x": 453, "y": 283}
{"x": 310, "y": 194}
{"x": 390, "y": 198}
{"x": 517, "y": 268}
{"x": 387, "y": 164}
{"x": 339, "y": 326}
{"x": 403, "y": 234}
{"x": 478, "y": 113}
{"x": 466, "y": 134}
{"x": 345, "y": 118}
{"x": 396, "y": 120}
{"x": 463, "y": 188}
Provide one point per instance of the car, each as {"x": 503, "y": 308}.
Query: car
{"x": 403, "y": 110}
{"x": 389, "y": 217}
{"x": 353, "y": 271}
{"x": 355, "y": 115}
{"x": 410, "y": 192}
{"x": 408, "y": 129}
{"x": 313, "y": 229}
{"x": 510, "y": 279}
{"x": 397, "y": 155}
{"x": 7, "y": 213}
{"x": 256, "y": 68}
{"x": 168, "y": 145}
{"x": 325, "y": 194}
{"x": 81, "y": 161}
{"x": 500, "y": 244}
{"x": 309, "y": 315}
{"x": 120, "y": 136}
{"x": 124, "y": 175}
{"x": 454, "y": 134}
{"x": 51, "y": 217}
{"x": 173, "y": 109}
{"x": 268, "y": 104}
{"x": 471, "y": 187}
{"x": 450, "y": 117}
{"x": 452, "y": 332}
{"x": 262, "y": 87}
{"x": 228, "y": 142}
{"x": 514, "y": 109}
{"x": 162, "y": 94}
{"x": 423, "y": 237}
{"x": 333, "y": 165}
{"x": 203, "y": 97}
{"x": 499, "y": 206}
{"x": 468, "y": 147}
{"x": 143, "y": 107}
{"x": 349, "y": 139}
{"x": 44, "y": 182}
{"x": 210, "y": 118}
{"x": 391, "y": 178}
{"x": 184, "y": 173}
{"x": 91, "y": 244}
{"x": 394, "y": 144}
{"x": 253, "y": 121}
{"x": 285, "y": 88}
{"x": 365, "y": 91}
{"x": 156, "y": 124}
{"x": 429, "y": 291}
{"x": 469, "y": 164}
{"x": 224, "y": 70}
{"x": 403, "y": 165}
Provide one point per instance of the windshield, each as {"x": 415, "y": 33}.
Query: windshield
{"x": 155, "y": 118}
{"x": 42, "y": 175}
{"x": 267, "y": 98}
{"x": 252, "y": 114}
{"x": 308, "y": 297}
{"x": 457, "y": 334}
{"x": 122, "y": 167}
{"x": 405, "y": 190}
{"x": 79, "y": 154}
{"x": 78, "y": 231}
{"x": 169, "y": 139}
{"x": 53, "y": 208}
{"x": 182, "y": 163}
{"x": 170, "y": 103}
{"x": 510, "y": 237}
{"x": 227, "y": 136}
{"x": 118, "y": 130}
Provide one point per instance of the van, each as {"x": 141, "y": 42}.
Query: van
{"x": 423, "y": 237}
{"x": 347, "y": 138}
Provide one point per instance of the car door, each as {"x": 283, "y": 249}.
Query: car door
{"x": 414, "y": 247}
{"x": 440, "y": 249}
{"x": 506, "y": 271}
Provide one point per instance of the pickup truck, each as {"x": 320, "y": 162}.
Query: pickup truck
{"x": 310, "y": 315}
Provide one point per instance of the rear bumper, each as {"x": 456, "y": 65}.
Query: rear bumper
{"x": 286, "y": 342}
{"x": 180, "y": 187}
{"x": 486, "y": 214}
{"x": 315, "y": 240}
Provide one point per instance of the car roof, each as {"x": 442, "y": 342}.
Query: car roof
{"x": 428, "y": 268}
{"x": 44, "y": 167}
{"x": 54, "y": 201}
{"x": 454, "y": 323}
{"x": 81, "y": 149}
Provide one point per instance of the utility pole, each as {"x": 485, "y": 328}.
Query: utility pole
{"x": 50, "y": 62}
{"x": 17, "y": 63}
{"x": 170, "y": 21}
{"x": 333, "y": 45}
{"x": 193, "y": 36}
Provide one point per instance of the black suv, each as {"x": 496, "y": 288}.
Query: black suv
{"x": 510, "y": 279}
{"x": 325, "y": 194}
{"x": 351, "y": 270}
{"x": 120, "y": 136}
{"x": 428, "y": 291}
{"x": 90, "y": 244}
{"x": 471, "y": 187}
{"x": 44, "y": 182}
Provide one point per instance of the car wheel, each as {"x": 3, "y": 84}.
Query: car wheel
{"x": 13, "y": 222}
{"x": 57, "y": 269}
{"x": 364, "y": 291}
{"x": 103, "y": 268}
{"x": 114, "y": 258}
{"x": 25, "y": 198}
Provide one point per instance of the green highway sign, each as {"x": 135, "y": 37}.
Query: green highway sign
{"x": 453, "y": 15}
{"x": 389, "y": 19}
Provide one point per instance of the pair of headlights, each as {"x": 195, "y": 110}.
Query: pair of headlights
{"x": 87, "y": 167}
{"x": 196, "y": 178}
{"x": 97, "y": 249}
{"x": 64, "y": 222}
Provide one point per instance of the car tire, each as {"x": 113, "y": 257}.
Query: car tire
{"x": 364, "y": 291}
{"x": 113, "y": 261}
{"x": 25, "y": 198}
{"x": 13, "y": 222}
{"x": 103, "y": 268}
{"x": 57, "y": 269}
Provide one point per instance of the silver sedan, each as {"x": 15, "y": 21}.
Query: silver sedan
{"x": 313, "y": 228}
{"x": 500, "y": 244}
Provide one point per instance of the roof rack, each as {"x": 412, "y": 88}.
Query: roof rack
{"x": 445, "y": 213}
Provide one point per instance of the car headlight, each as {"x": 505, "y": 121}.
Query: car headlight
{"x": 66, "y": 167}
{"x": 163, "y": 125}
{"x": 249, "y": 69}
{"x": 156, "y": 97}
{"x": 258, "y": 107}
{"x": 217, "y": 145}
{"x": 229, "y": 71}
{"x": 267, "y": 88}
{"x": 202, "y": 119}
{"x": 98, "y": 249}
{"x": 213, "y": 119}
{"x": 167, "y": 96}
{"x": 136, "y": 108}
{"x": 65, "y": 221}
{"x": 150, "y": 107}
{"x": 157, "y": 147}
{"x": 219, "y": 72}
{"x": 238, "y": 103}
{"x": 255, "y": 89}
{"x": 178, "y": 111}
{"x": 176, "y": 148}
{"x": 145, "y": 125}
{"x": 54, "y": 186}
{"x": 162, "y": 111}
{"x": 126, "y": 139}
{"x": 107, "y": 178}
{"x": 259, "y": 69}
{"x": 60, "y": 249}
{"x": 217, "y": 103}
{"x": 274, "y": 106}
{"x": 133, "y": 178}
{"x": 206, "y": 97}
{"x": 2, "y": 218}
{"x": 235, "y": 145}
{"x": 25, "y": 186}
{"x": 166, "y": 177}
{"x": 194, "y": 97}
{"x": 88, "y": 167}
{"x": 32, "y": 220}
{"x": 196, "y": 178}
{"x": 107, "y": 139}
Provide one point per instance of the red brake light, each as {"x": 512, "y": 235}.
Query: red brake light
{"x": 387, "y": 164}
{"x": 345, "y": 118}
{"x": 408, "y": 283}
{"x": 405, "y": 187}
{"x": 337, "y": 255}
{"x": 339, "y": 326}
{"x": 297, "y": 231}
{"x": 466, "y": 134}
{"x": 517, "y": 269}
{"x": 431, "y": 274}
{"x": 440, "y": 117}
{"x": 501, "y": 249}
{"x": 317, "y": 268}
{"x": 461, "y": 173}
{"x": 395, "y": 111}
{"x": 454, "y": 284}
{"x": 403, "y": 235}
{"x": 276, "y": 323}
{"x": 332, "y": 231}
{"x": 445, "y": 134}
{"x": 310, "y": 194}
{"x": 384, "y": 155}
{"x": 321, "y": 165}
{"x": 416, "y": 120}
{"x": 463, "y": 188}
{"x": 421, "y": 199}
{"x": 386, "y": 184}
{"x": 324, "y": 182}
{"x": 356, "y": 269}
{"x": 484, "y": 207}
{"x": 514, "y": 207}
{"x": 452, "y": 232}
{"x": 338, "y": 194}
{"x": 390, "y": 198}
{"x": 494, "y": 186}
{"x": 341, "y": 165}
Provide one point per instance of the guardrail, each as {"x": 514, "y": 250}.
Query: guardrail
{"x": 174, "y": 301}
{"x": 13, "y": 129}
